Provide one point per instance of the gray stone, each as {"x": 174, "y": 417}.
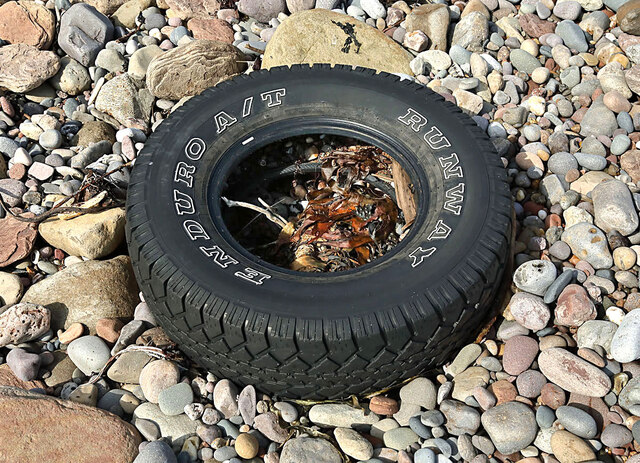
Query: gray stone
{"x": 23, "y": 364}
{"x": 625, "y": 345}
{"x": 173, "y": 399}
{"x": 589, "y": 243}
{"x": 353, "y": 444}
{"x": 535, "y": 276}
{"x": 461, "y": 419}
{"x": 567, "y": 10}
{"x": 262, "y": 10}
{"x": 420, "y": 391}
{"x": 577, "y": 421}
{"x": 615, "y": 435}
{"x": 72, "y": 78}
{"x": 175, "y": 428}
{"x": 83, "y": 33}
{"x": 598, "y": 120}
{"x": 591, "y": 161}
{"x": 156, "y": 452}
{"x": 127, "y": 367}
{"x": 613, "y": 207}
{"x": 545, "y": 416}
{"x": 552, "y": 187}
{"x": 400, "y": 438}
{"x": 572, "y": 35}
{"x": 560, "y": 163}
{"x": 121, "y": 99}
{"x": 594, "y": 333}
{"x": 524, "y": 61}
{"x": 512, "y": 426}
{"x": 89, "y": 354}
{"x": 225, "y": 398}
{"x": 128, "y": 335}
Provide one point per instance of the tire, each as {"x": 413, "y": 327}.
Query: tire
{"x": 319, "y": 336}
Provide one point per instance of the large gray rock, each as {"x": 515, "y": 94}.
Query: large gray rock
{"x": 613, "y": 207}
{"x": 262, "y": 10}
{"x": 86, "y": 292}
{"x": 83, "y": 33}
{"x": 598, "y": 120}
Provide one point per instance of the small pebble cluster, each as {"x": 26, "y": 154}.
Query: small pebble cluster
{"x": 554, "y": 84}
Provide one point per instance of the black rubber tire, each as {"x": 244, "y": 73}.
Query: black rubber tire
{"x": 318, "y": 335}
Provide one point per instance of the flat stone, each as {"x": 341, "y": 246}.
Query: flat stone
{"x": 572, "y": 373}
{"x": 400, "y": 438}
{"x": 577, "y": 421}
{"x": 86, "y": 292}
{"x": 211, "y": 29}
{"x": 156, "y": 452}
{"x": 512, "y": 426}
{"x": 140, "y": 60}
{"x": 94, "y": 132}
{"x": 206, "y": 63}
{"x": 353, "y": 444}
{"x": 465, "y": 382}
{"x": 247, "y": 405}
{"x": 460, "y": 418}
{"x": 594, "y": 333}
{"x": 61, "y": 369}
{"x": 340, "y": 416}
{"x": 23, "y": 322}
{"x": 23, "y": 67}
{"x": 519, "y": 354}
{"x": 319, "y": 36}
{"x": 55, "y": 426}
{"x": 172, "y": 400}
{"x": 186, "y": 9}
{"x": 467, "y": 355}
{"x": 127, "y": 367}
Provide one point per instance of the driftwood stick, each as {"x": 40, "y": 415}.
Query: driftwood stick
{"x": 275, "y": 218}
{"x": 406, "y": 201}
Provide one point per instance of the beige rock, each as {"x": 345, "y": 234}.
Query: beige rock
{"x": 464, "y": 383}
{"x": 140, "y": 60}
{"x": 192, "y": 68}
{"x": 10, "y": 289}
{"x": 87, "y": 292}
{"x": 121, "y": 98}
{"x": 127, "y": 367}
{"x": 569, "y": 448}
{"x": 23, "y": 67}
{"x": 186, "y": 9}
{"x": 316, "y": 36}
{"x": 23, "y": 322}
{"x": 211, "y": 29}
{"x": 60, "y": 430}
{"x": 27, "y": 22}
{"x": 127, "y": 13}
{"x": 175, "y": 428}
{"x": 86, "y": 394}
{"x": 72, "y": 78}
{"x": 89, "y": 235}
{"x": 156, "y": 377}
{"x": 106, "y": 7}
{"x": 433, "y": 20}
{"x": 588, "y": 181}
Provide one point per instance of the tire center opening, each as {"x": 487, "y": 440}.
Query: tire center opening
{"x": 318, "y": 203}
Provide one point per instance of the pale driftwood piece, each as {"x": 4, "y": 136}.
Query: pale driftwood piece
{"x": 406, "y": 201}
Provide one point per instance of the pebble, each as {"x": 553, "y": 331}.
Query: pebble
{"x": 535, "y": 276}
{"x": 89, "y": 354}
{"x": 577, "y": 421}
{"x": 174, "y": 399}
{"x": 400, "y": 438}
{"x": 572, "y": 373}
{"x": 24, "y": 364}
{"x": 157, "y": 376}
{"x": 353, "y": 444}
{"x": 625, "y": 343}
{"x": 156, "y": 452}
{"x": 511, "y": 426}
{"x": 530, "y": 311}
